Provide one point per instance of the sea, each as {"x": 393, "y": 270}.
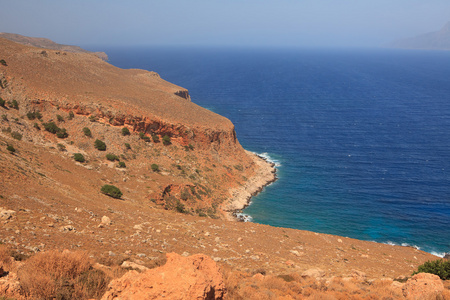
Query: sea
{"x": 360, "y": 137}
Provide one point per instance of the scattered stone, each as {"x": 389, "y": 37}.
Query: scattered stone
{"x": 423, "y": 286}
{"x": 207, "y": 234}
{"x": 314, "y": 273}
{"x": 194, "y": 277}
{"x": 185, "y": 254}
{"x": 138, "y": 227}
{"x": 141, "y": 255}
{"x": 106, "y": 220}
{"x": 110, "y": 253}
{"x": 296, "y": 253}
{"x": 6, "y": 214}
{"x": 131, "y": 265}
{"x": 339, "y": 241}
{"x": 67, "y": 228}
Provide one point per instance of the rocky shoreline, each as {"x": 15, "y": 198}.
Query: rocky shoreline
{"x": 240, "y": 197}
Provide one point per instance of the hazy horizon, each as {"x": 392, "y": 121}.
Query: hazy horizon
{"x": 283, "y": 23}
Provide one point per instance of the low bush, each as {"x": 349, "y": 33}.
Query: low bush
{"x": 79, "y": 157}
{"x": 166, "y": 140}
{"x": 155, "y": 168}
{"x": 125, "y": 131}
{"x": 438, "y": 267}
{"x": 10, "y": 148}
{"x": 121, "y": 164}
{"x": 112, "y": 157}
{"x": 60, "y": 118}
{"x": 3, "y": 62}
{"x": 36, "y": 125}
{"x": 51, "y": 127}
{"x": 16, "y": 135}
{"x": 111, "y": 191}
{"x": 2, "y": 102}
{"x": 61, "y": 275}
{"x": 87, "y": 132}
{"x": 71, "y": 115}
{"x": 62, "y": 133}
{"x": 155, "y": 138}
{"x": 127, "y": 146}
{"x": 15, "y": 104}
{"x": 100, "y": 145}
{"x": 61, "y": 147}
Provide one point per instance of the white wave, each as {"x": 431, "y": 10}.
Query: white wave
{"x": 267, "y": 157}
{"x": 244, "y": 217}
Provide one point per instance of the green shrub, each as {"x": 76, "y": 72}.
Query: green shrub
{"x": 31, "y": 115}
{"x": 127, "y": 146}
{"x": 61, "y": 147}
{"x": 36, "y": 125}
{"x": 92, "y": 118}
{"x": 71, "y": 115}
{"x": 14, "y": 104}
{"x": 10, "y": 148}
{"x": 155, "y": 168}
{"x": 2, "y": 102}
{"x": 99, "y": 145}
{"x": 60, "y": 118}
{"x": 121, "y": 164}
{"x": 3, "y": 62}
{"x": 141, "y": 135}
{"x": 87, "y": 132}
{"x": 16, "y": 135}
{"x": 78, "y": 157}
{"x": 51, "y": 127}
{"x": 155, "y": 138}
{"x": 111, "y": 191}
{"x": 4, "y": 117}
{"x": 62, "y": 133}
{"x": 438, "y": 267}
{"x": 125, "y": 131}
{"x": 166, "y": 140}
{"x": 112, "y": 157}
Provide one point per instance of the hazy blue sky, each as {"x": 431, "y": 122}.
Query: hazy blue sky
{"x": 223, "y": 22}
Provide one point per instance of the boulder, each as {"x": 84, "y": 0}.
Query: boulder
{"x": 193, "y": 277}
{"x": 423, "y": 286}
{"x": 314, "y": 273}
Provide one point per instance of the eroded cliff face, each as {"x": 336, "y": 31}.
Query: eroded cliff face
{"x": 194, "y": 148}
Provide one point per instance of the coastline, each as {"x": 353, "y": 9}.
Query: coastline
{"x": 241, "y": 196}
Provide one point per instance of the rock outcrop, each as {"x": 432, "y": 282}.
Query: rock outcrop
{"x": 194, "y": 277}
{"x": 423, "y": 286}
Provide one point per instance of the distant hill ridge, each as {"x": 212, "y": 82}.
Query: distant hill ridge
{"x": 48, "y": 44}
{"x": 437, "y": 40}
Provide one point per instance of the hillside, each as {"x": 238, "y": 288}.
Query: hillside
{"x": 438, "y": 40}
{"x": 183, "y": 173}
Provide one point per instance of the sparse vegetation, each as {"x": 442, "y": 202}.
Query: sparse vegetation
{"x": 127, "y": 146}
{"x": 87, "y": 132}
{"x": 121, "y": 164}
{"x": 92, "y": 119}
{"x": 3, "y": 62}
{"x": 142, "y": 136}
{"x": 166, "y": 140}
{"x": 100, "y": 145}
{"x": 61, "y": 147}
{"x": 2, "y": 102}
{"x": 125, "y": 131}
{"x": 155, "y": 168}
{"x": 36, "y": 125}
{"x": 4, "y": 117}
{"x": 60, "y": 118}
{"x": 15, "y": 104}
{"x": 112, "y": 157}
{"x": 155, "y": 138}
{"x": 11, "y": 149}
{"x": 62, "y": 133}
{"x": 438, "y": 267}
{"x": 79, "y": 157}
{"x": 111, "y": 191}
{"x": 16, "y": 135}
{"x": 71, "y": 115}
{"x": 51, "y": 127}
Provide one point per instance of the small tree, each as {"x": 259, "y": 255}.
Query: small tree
{"x": 111, "y": 191}
{"x": 100, "y": 145}
{"x": 51, "y": 127}
{"x": 78, "y": 157}
{"x": 438, "y": 267}
{"x": 155, "y": 168}
{"x": 87, "y": 132}
{"x": 125, "y": 131}
{"x": 166, "y": 140}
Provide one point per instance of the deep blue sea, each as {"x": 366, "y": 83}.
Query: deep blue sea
{"x": 361, "y": 138}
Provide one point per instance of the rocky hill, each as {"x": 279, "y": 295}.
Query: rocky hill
{"x": 438, "y": 40}
{"x": 72, "y": 124}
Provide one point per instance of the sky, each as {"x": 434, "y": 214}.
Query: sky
{"x": 260, "y": 23}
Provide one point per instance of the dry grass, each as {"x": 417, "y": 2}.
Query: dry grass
{"x": 5, "y": 258}
{"x": 61, "y": 275}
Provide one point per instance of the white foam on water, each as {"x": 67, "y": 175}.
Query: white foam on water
{"x": 244, "y": 217}
{"x": 267, "y": 157}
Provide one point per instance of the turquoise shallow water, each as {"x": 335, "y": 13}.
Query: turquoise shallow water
{"x": 361, "y": 138}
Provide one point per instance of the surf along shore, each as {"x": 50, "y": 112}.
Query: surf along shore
{"x": 240, "y": 198}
